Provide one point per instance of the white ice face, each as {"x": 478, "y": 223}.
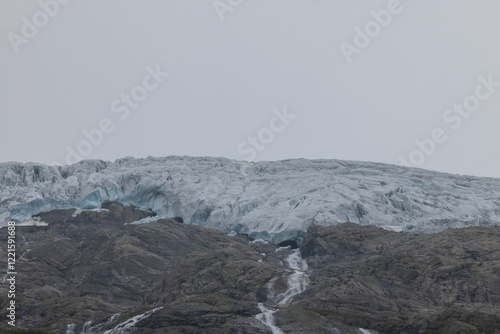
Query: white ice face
{"x": 269, "y": 200}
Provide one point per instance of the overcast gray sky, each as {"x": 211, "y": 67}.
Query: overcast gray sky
{"x": 253, "y": 79}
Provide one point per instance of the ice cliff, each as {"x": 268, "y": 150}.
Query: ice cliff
{"x": 268, "y": 200}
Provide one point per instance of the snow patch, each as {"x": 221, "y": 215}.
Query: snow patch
{"x": 29, "y": 222}
{"x": 145, "y": 220}
{"x": 80, "y": 210}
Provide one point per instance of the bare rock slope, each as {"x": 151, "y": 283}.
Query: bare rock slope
{"x": 93, "y": 272}
{"x": 368, "y": 277}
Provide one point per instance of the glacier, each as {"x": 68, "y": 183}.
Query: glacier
{"x": 273, "y": 201}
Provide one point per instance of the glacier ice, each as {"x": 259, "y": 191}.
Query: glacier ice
{"x": 273, "y": 201}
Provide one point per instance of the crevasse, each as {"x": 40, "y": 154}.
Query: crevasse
{"x": 273, "y": 201}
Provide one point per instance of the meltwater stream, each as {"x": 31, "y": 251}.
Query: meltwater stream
{"x": 297, "y": 283}
{"x": 118, "y": 329}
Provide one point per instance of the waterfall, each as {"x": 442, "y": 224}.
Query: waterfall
{"x": 119, "y": 329}
{"x": 70, "y": 329}
{"x": 132, "y": 322}
{"x": 297, "y": 283}
{"x": 86, "y": 327}
{"x": 267, "y": 317}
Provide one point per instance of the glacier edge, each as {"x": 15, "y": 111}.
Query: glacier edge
{"x": 268, "y": 200}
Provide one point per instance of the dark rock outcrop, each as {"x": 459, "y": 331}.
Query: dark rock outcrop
{"x": 392, "y": 282}
{"x": 93, "y": 265}
{"x": 292, "y": 243}
{"x": 97, "y": 264}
